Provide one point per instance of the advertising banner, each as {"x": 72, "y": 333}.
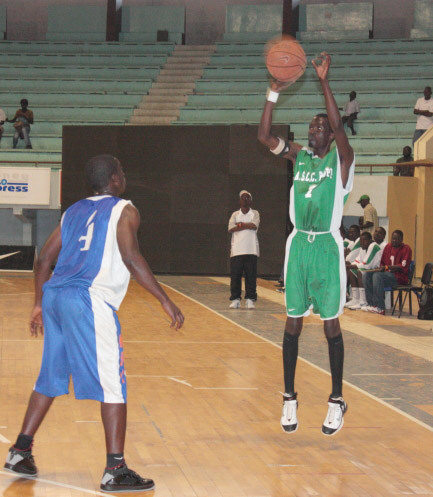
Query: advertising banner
{"x": 25, "y": 185}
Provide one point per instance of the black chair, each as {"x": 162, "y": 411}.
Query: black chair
{"x": 409, "y": 288}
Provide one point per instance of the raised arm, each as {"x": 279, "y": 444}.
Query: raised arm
{"x": 344, "y": 149}
{"x": 127, "y": 228}
{"x": 264, "y": 134}
{"x": 43, "y": 264}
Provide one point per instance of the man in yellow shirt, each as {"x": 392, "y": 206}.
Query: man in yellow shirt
{"x": 370, "y": 221}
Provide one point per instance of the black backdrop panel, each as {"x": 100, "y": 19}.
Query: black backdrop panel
{"x": 185, "y": 181}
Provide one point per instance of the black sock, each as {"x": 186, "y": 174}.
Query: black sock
{"x": 24, "y": 442}
{"x": 336, "y": 360}
{"x": 114, "y": 460}
{"x": 290, "y": 356}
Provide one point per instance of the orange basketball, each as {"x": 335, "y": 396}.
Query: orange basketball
{"x": 285, "y": 59}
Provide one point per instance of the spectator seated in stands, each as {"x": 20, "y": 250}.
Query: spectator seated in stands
{"x": 351, "y": 111}
{"x": 22, "y": 120}
{"x": 393, "y": 271}
{"x": 404, "y": 170}
{"x": 424, "y": 110}
{"x": 2, "y": 121}
{"x": 346, "y": 241}
{"x": 368, "y": 258}
{"x": 354, "y": 246}
{"x": 379, "y": 237}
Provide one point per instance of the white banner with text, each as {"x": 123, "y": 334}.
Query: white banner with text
{"x": 25, "y": 185}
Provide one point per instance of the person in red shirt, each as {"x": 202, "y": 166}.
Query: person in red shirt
{"x": 393, "y": 271}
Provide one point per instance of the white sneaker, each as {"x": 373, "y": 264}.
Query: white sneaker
{"x": 235, "y": 304}
{"x": 289, "y": 421}
{"x": 250, "y": 304}
{"x": 351, "y": 302}
{"x": 355, "y": 307}
{"x": 334, "y": 419}
{"x": 365, "y": 307}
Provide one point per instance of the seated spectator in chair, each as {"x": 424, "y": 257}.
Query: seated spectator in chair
{"x": 368, "y": 258}
{"x": 2, "y": 121}
{"x": 351, "y": 111}
{"x": 379, "y": 237}
{"x": 393, "y": 271}
{"x": 22, "y": 120}
{"x": 404, "y": 170}
{"x": 424, "y": 110}
{"x": 354, "y": 246}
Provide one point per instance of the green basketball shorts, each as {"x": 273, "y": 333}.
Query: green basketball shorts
{"x": 315, "y": 275}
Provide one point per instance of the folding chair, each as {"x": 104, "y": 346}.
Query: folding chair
{"x": 407, "y": 290}
{"x": 416, "y": 289}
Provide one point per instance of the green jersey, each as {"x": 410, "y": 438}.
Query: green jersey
{"x": 317, "y": 196}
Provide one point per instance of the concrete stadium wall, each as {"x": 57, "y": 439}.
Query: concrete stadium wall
{"x": 205, "y": 19}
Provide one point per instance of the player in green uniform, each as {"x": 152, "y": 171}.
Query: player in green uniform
{"x": 315, "y": 274}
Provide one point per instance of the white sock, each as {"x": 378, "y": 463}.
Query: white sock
{"x": 362, "y": 300}
{"x": 355, "y": 293}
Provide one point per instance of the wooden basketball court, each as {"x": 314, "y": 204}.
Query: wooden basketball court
{"x": 204, "y": 407}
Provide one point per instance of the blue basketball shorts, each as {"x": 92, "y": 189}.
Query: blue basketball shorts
{"x": 83, "y": 340}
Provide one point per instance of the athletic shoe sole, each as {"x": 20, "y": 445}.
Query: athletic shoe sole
{"x": 26, "y": 475}
{"x": 128, "y": 490}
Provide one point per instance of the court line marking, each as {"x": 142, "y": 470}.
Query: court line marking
{"x": 371, "y": 396}
{"x": 184, "y": 342}
{"x": 56, "y": 483}
{"x": 4, "y": 439}
{"x": 15, "y": 294}
{"x": 392, "y": 374}
{"x": 172, "y": 378}
{"x": 225, "y": 388}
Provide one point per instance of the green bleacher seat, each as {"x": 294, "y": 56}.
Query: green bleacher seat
{"x": 87, "y": 48}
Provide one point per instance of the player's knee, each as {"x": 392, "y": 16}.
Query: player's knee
{"x": 293, "y": 327}
{"x": 332, "y": 328}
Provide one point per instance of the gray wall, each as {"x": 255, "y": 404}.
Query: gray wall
{"x": 391, "y": 18}
{"x": 205, "y": 19}
{"x": 43, "y": 222}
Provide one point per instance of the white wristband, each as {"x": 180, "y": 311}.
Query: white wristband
{"x": 272, "y": 96}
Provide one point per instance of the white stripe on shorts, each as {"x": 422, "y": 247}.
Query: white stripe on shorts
{"x": 107, "y": 350}
{"x": 343, "y": 275}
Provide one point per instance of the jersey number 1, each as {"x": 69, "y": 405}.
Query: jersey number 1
{"x": 89, "y": 235}
{"x": 310, "y": 191}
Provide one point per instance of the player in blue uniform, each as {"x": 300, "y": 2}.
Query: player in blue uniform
{"x": 97, "y": 250}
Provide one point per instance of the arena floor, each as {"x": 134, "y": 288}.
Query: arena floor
{"x": 204, "y": 402}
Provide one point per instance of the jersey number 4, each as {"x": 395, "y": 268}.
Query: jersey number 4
{"x": 310, "y": 191}
{"x": 89, "y": 235}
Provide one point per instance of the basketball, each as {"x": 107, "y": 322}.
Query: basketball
{"x": 285, "y": 59}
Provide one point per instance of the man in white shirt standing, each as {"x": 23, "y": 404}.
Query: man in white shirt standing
{"x": 424, "y": 110}
{"x": 2, "y": 121}
{"x": 351, "y": 111}
{"x": 243, "y": 226}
